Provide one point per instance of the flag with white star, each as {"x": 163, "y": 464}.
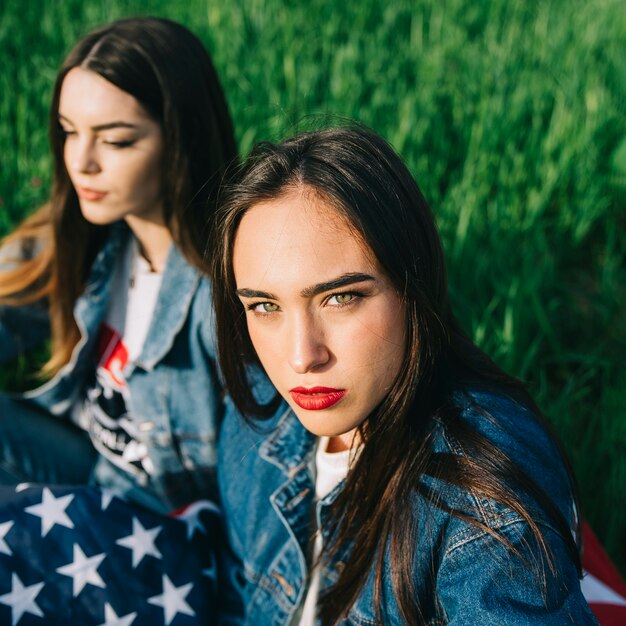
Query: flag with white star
{"x": 83, "y": 556}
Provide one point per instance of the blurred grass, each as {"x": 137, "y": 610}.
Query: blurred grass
{"x": 511, "y": 115}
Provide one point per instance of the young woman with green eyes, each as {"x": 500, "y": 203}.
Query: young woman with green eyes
{"x": 107, "y": 272}
{"x": 407, "y": 479}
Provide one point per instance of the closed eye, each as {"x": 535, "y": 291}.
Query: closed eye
{"x": 120, "y": 144}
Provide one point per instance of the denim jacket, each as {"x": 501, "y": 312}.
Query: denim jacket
{"x": 267, "y": 491}
{"x": 175, "y": 394}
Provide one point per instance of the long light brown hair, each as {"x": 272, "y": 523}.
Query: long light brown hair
{"x": 361, "y": 176}
{"x": 168, "y": 70}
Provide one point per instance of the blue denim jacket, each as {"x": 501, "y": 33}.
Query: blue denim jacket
{"x": 267, "y": 490}
{"x": 175, "y": 393}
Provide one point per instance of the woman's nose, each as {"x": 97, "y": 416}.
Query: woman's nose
{"x": 307, "y": 349}
{"x": 81, "y": 157}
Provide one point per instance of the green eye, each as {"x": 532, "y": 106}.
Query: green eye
{"x": 266, "y": 307}
{"x": 344, "y": 298}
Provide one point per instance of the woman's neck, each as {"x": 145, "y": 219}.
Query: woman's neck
{"x": 343, "y": 442}
{"x": 154, "y": 241}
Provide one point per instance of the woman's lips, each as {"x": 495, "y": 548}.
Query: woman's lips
{"x": 90, "y": 194}
{"x": 316, "y": 398}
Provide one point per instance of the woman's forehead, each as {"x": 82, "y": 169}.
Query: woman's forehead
{"x": 297, "y": 238}
{"x": 91, "y": 97}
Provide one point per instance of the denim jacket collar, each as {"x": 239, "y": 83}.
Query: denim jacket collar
{"x": 98, "y": 284}
{"x": 289, "y": 445}
{"x": 290, "y": 448}
{"x": 180, "y": 281}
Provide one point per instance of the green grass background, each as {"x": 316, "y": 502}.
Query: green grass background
{"x": 511, "y": 115}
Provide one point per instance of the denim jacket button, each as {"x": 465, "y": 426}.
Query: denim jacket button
{"x": 288, "y": 589}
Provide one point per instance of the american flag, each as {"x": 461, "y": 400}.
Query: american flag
{"x": 602, "y": 585}
{"x": 82, "y": 557}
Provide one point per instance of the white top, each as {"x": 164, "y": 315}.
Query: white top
{"x": 331, "y": 469}
{"x": 143, "y": 291}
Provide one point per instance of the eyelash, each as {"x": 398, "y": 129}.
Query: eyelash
{"x": 113, "y": 144}
{"x": 253, "y": 307}
{"x": 119, "y": 144}
{"x": 356, "y": 296}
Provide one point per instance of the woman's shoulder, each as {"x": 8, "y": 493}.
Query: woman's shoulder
{"x": 516, "y": 435}
{"x": 511, "y": 425}
{"x": 479, "y": 539}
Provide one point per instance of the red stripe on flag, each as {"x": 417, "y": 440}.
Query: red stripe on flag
{"x": 610, "y": 611}
{"x": 597, "y": 562}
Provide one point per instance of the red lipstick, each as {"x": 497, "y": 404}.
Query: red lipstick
{"x": 90, "y": 194}
{"x": 316, "y": 398}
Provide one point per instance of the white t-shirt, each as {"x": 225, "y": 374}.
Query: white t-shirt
{"x": 102, "y": 411}
{"x": 331, "y": 469}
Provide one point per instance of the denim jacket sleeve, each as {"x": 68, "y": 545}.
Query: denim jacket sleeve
{"x": 480, "y": 576}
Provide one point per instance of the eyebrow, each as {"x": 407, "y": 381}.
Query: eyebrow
{"x": 107, "y": 126}
{"x": 308, "y": 292}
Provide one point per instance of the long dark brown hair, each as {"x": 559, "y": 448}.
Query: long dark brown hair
{"x": 360, "y": 175}
{"x": 168, "y": 70}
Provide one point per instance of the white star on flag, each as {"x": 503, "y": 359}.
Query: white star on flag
{"x": 21, "y": 599}
{"x": 111, "y": 618}
{"x": 173, "y": 600}
{"x": 83, "y": 570}
{"x": 4, "y": 529}
{"x": 51, "y": 511}
{"x": 141, "y": 542}
{"x": 107, "y": 497}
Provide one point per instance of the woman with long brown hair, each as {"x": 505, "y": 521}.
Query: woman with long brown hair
{"x": 108, "y": 273}
{"x": 408, "y": 480}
